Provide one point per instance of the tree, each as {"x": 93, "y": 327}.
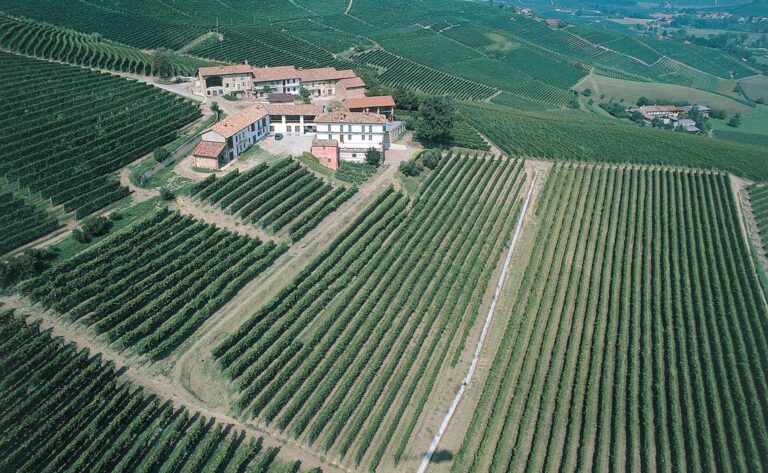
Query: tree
{"x": 304, "y": 95}
{"x": 373, "y": 157}
{"x": 24, "y": 266}
{"x": 160, "y": 154}
{"x": 735, "y": 120}
{"x": 430, "y": 158}
{"x": 586, "y": 92}
{"x": 643, "y": 101}
{"x": 161, "y": 63}
{"x": 435, "y": 119}
{"x": 406, "y": 100}
{"x": 411, "y": 168}
{"x": 215, "y": 108}
{"x": 266, "y": 90}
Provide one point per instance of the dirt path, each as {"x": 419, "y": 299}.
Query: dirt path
{"x": 48, "y": 240}
{"x": 481, "y": 340}
{"x": 159, "y": 385}
{"x": 349, "y": 7}
{"x": 138, "y": 194}
{"x": 217, "y": 217}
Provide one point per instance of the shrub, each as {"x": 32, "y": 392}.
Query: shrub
{"x": 411, "y": 168}
{"x": 430, "y": 158}
{"x": 373, "y": 157}
{"x": 160, "y": 154}
{"x": 96, "y": 226}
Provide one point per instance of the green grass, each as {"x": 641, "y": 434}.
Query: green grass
{"x": 755, "y": 87}
{"x": 69, "y": 247}
{"x": 313, "y": 165}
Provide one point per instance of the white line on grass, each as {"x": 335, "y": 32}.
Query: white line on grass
{"x": 470, "y": 373}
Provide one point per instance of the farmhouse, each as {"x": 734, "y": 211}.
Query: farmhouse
{"x": 354, "y": 132}
{"x": 227, "y": 139}
{"x": 292, "y": 119}
{"x": 350, "y": 88}
{"x": 222, "y": 80}
{"x": 245, "y": 80}
{"x": 381, "y": 104}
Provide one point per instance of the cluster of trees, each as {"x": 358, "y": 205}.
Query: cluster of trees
{"x": 94, "y": 227}
{"x": 24, "y": 266}
{"x": 429, "y": 159}
{"x": 434, "y": 116}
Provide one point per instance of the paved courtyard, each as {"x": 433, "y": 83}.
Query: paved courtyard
{"x": 289, "y": 145}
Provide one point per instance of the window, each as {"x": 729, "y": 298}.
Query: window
{"x": 362, "y": 137}
{"x": 370, "y": 137}
{"x": 349, "y": 137}
{"x": 370, "y": 128}
{"x": 272, "y": 128}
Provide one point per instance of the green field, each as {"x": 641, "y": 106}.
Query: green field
{"x": 344, "y": 358}
{"x": 581, "y": 137}
{"x": 636, "y": 339}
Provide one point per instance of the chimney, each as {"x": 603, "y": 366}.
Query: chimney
{"x": 246, "y": 62}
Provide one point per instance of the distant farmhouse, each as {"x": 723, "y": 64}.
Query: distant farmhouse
{"x": 672, "y": 114}
{"x": 246, "y": 81}
{"x": 344, "y": 134}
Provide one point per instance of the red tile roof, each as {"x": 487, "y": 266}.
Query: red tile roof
{"x": 267, "y": 74}
{"x": 325, "y": 73}
{"x": 352, "y": 83}
{"x": 242, "y": 119}
{"x": 208, "y": 149}
{"x": 292, "y": 108}
{"x": 224, "y": 70}
{"x": 370, "y": 102}
{"x": 345, "y": 116}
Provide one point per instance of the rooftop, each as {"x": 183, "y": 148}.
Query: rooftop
{"x": 292, "y": 108}
{"x": 352, "y": 83}
{"x": 224, "y": 70}
{"x": 366, "y": 102}
{"x": 209, "y": 149}
{"x": 265, "y": 74}
{"x": 325, "y": 73}
{"x": 234, "y": 123}
{"x": 345, "y": 116}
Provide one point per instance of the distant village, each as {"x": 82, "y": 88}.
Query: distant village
{"x": 332, "y": 106}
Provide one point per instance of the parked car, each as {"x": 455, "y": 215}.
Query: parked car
{"x": 278, "y": 136}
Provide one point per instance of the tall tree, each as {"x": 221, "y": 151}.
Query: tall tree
{"x": 435, "y": 119}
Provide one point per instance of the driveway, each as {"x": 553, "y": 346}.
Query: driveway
{"x": 289, "y": 145}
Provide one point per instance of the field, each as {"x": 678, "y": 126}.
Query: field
{"x": 150, "y": 287}
{"x": 65, "y": 409}
{"x": 276, "y": 196}
{"x": 22, "y": 222}
{"x": 755, "y": 87}
{"x": 578, "y": 136}
{"x": 340, "y": 358}
{"x": 66, "y": 140}
{"x": 636, "y": 337}
{"x": 630, "y": 91}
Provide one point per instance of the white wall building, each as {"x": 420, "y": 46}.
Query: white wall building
{"x": 229, "y": 138}
{"x": 292, "y": 119}
{"x": 355, "y": 132}
{"x": 222, "y": 80}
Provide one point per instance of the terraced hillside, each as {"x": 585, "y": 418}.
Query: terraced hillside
{"x": 65, "y": 409}
{"x": 55, "y": 43}
{"x": 67, "y": 139}
{"x": 636, "y": 340}
{"x": 150, "y": 287}
{"x": 464, "y": 50}
{"x": 346, "y": 355}
{"x": 276, "y": 196}
{"x": 22, "y": 222}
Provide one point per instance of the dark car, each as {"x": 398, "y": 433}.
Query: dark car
{"x": 278, "y": 136}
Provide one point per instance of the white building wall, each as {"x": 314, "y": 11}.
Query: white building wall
{"x": 354, "y": 139}
{"x": 247, "y": 137}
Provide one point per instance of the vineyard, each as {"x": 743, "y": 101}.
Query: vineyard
{"x": 22, "y": 222}
{"x": 67, "y": 410}
{"x": 78, "y": 127}
{"x": 49, "y": 42}
{"x": 277, "y": 196}
{"x": 758, "y": 196}
{"x": 636, "y": 339}
{"x": 150, "y": 287}
{"x": 577, "y": 136}
{"x": 346, "y": 356}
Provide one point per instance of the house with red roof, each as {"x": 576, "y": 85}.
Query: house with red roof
{"x": 353, "y": 132}
{"x": 380, "y": 104}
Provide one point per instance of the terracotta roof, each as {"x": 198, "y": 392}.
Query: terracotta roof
{"x": 292, "y": 108}
{"x": 325, "y": 73}
{"x": 352, "y": 83}
{"x": 234, "y": 123}
{"x": 345, "y": 116}
{"x": 208, "y": 149}
{"x": 659, "y": 108}
{"x": 325, "y": 143}
{"x": 224, "y": 70}
{"x": 265, "y": 74}
{"x": 366, "y": 102}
